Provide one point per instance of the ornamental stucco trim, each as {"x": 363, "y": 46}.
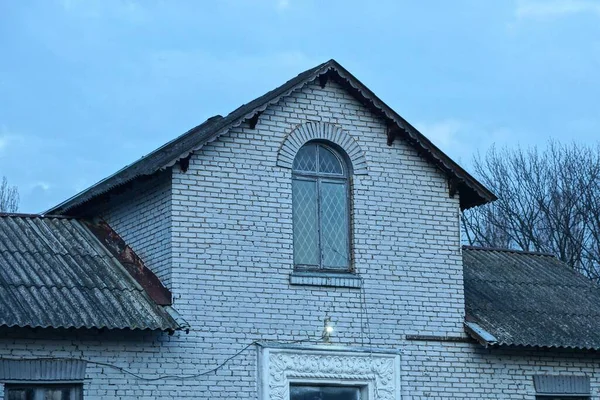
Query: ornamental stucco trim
{"x": 321, "y": 131}
{"x": 377, "y": 373}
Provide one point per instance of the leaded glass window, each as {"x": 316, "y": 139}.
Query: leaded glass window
{"x": 320, "y": 207}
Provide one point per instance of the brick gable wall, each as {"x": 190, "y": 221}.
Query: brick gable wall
{"x": 142, "y": 217}
{"x": 220, "y": 237}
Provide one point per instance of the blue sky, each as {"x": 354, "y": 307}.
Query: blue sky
{"x": 87, "y": 87}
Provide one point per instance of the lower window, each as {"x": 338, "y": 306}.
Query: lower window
{"x": 43, "y": 392}
{"x": 306, "y": 392}
{"x": 562, "y": 397}
{"x": 561, "y": 387}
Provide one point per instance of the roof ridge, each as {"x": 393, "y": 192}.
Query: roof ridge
{"x": 506, "y": 250}
{"x": 472, "y": 191}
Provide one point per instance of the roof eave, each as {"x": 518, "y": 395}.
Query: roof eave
{"x": 170, "y": 328}
{"x": 485, "y": 338}
{"x": 482, "y": 194}
{"x": 472, "y": 192}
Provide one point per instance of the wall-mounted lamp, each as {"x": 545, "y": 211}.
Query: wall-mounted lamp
{"x": 327, "y": 330}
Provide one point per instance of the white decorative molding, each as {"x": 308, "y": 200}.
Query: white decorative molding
{"x": 377, "y": 373}
{"x": 321, "y": 131}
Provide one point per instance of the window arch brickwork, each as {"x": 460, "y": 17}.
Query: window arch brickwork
{"x": 322, "y": 131}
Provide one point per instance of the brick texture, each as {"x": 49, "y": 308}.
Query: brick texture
{"x": 142, "y": 217}
{"x": 220, "y": 237}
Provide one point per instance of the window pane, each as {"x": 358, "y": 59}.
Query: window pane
{"x": 44, "y": 392}
{"x": 550, "y": 397}
{"x": 334, "y": 225}
{"x": 306, "y": 159}
{"x": 328, "y": 162}
{"x": 19, "y": 394}
{"x": 305, "y": 393}
{"x": 57, "y": 394}
{"x": 306, "y": 235}
{"x": 298, "y": 392}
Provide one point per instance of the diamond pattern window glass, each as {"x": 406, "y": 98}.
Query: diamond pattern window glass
{"x": 320, "y": 209}
{"x": 334, "y": 225}
{"x": 306, "y": 159}
{"x": 306, "y": 231}
{"x": 329, "y": 163}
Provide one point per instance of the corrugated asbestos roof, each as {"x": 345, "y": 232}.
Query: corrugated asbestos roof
{"x": 472, "y": 193}
{"x": 55, "y": 273}
{"x": 529, "y": 299}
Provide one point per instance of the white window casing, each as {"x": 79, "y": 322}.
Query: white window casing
{"x": 376, "y": 373}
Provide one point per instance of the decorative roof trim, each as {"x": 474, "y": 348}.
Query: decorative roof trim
{"x": 472, "y": 192}
{"x": 321, "y": 131}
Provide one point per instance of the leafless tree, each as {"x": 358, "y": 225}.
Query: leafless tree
{"x": 9, "y": 197}
{"x": 549, "y": 201}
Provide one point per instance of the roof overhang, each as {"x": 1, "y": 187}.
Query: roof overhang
{"x": 484, "y": 338}
{"x": 472, "y": 193}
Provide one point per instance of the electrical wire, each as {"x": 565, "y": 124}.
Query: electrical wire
{"x": 365, "y": 310}
{"x": 163, "y": 377}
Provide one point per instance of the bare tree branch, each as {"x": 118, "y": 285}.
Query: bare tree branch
{"x": 549, "y": 201}
{"x": 9, "y": 197}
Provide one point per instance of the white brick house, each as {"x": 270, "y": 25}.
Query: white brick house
{"x": 219, "y": 215}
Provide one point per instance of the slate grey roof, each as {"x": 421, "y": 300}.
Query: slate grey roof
{"x": 529, "y": 299}
{"x": 472, "y": 193}
{"x": 55, "y": 273}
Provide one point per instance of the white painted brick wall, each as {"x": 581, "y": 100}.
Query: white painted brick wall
{"x": 233, "y": 226}
{"x": 430, "y": 370}
{"x": 467, "y": 371}
{"x": 141, "y": 216}
{"x": 227, "y": 255}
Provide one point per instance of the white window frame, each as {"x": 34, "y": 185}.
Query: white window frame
{"x": 377, "y": 373}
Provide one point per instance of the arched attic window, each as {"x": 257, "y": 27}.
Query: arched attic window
{"x": 320, "y": 194}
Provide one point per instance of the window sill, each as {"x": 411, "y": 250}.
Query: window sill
{"x": 331, "y": 279}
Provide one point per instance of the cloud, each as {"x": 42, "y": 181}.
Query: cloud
{"x": 442, "y": 133}
{"x": 45, "y": 186}
{"x": 549, "y": 9}
{"x": 461, "y": 140}
{"x": 8, "y": 139}
{"x": 283, "y": 4}
{"x": 4, "y": 138}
